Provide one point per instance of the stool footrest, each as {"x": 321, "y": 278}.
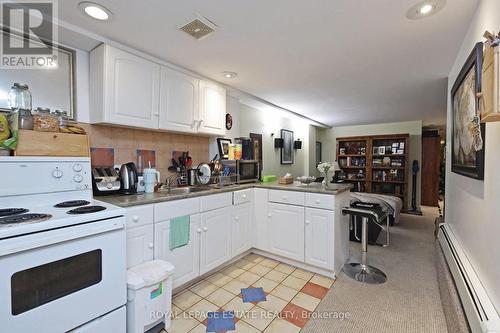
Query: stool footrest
{"x": 364, "y": 273}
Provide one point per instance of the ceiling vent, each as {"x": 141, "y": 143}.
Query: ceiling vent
{"x": 199, "y": 28}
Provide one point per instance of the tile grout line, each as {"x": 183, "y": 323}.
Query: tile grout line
{"x": 205, "y": 280}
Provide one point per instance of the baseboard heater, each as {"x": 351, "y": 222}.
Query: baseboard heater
{"x": 481, "y": 314}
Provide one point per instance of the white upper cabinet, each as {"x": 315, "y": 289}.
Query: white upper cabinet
{"x": 212, "y": 110}
{"x": 124, "y": 88}
{"x": 178, "y": 101}
{"x": 129, "y": 90}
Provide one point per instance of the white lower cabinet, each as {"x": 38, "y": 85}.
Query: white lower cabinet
{"x": 215, "y": 244}
{"x": 319, "y": 238}
{"x": 286, "y": 231}
{"x": 241, "y": 228}
{"x": 261, "y": 221}
{"x": 185, "y": 259}
{"x": 140, "y": 245}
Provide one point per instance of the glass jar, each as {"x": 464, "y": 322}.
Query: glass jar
{"x": 19, "y": 97}
{"x": 25, "y": 119}
{"x": 62, "y": 117}
{"x": 44, "y": 121}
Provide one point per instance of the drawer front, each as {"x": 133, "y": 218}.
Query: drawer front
{"x": 242, "y": 196}
{"x": 322, "y": 201}
{"x": 139, "y": 216}
{"x": 166, "y": 210}
{"x": 287, "y": 197}
{"x": 215, "y": 201}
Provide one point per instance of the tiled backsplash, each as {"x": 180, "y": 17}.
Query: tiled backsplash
{"x": 126, "y": 142}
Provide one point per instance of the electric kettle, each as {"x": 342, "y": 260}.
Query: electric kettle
{"x": 128, "y": 178}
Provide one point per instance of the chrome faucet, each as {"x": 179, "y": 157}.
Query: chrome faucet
{"x": 170, "y": 179}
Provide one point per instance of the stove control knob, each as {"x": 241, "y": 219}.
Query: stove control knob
{"x": 78, "y": 178}
{"x": 57, "y": 173}
{"x": 77, "y": 167}
{"x": 109, "y": 185}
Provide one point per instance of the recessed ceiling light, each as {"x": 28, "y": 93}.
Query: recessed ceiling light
{"x": 425, "y": 9}
{"x": 229, "y": 75}
{"x": 95, "y": 10}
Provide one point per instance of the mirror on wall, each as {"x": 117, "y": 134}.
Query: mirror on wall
{"x": 52, "y": 87}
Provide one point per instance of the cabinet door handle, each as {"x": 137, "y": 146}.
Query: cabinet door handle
{"x": 284, "y": 197}
{"x": 308, "y": 222}
{"x": 198, "y": 230}
{"x": 269, "y": 215}
{"x": 317, "y": 202}
{"x": 205, "y": 229}
{"x": 135, "y": 218}
{"x": 244, "y": 196}
{"x": 156, "y": 114}
{"x": 150, "y": 245}
{"x": 193, "y": 125}
{"x": 236, "y": 218}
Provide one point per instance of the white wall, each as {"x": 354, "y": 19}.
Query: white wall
{"x": 328, "y": 137}
{"x": 472, "y": 206}
{"x": 268, "y": 121}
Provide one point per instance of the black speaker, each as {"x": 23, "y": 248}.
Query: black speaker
{"x": 297, "y": 144}
{"x": 279, "y": 143}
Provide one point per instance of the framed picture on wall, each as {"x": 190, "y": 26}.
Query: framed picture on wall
{"x": 287, "y": 150}
{"x": 467, "y": 139}
{"x": 223, "y": 145}
{"x": 318, "y": 153}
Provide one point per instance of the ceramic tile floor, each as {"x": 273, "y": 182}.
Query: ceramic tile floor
{"x": 291, "y": 295}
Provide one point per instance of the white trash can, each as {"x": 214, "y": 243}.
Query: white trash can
{"x": 149, "y": 295}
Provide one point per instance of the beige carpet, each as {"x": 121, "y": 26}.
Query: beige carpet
{"x": 408, "y": 302}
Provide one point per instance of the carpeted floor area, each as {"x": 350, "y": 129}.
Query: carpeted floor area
{"x": 408, "y": 302}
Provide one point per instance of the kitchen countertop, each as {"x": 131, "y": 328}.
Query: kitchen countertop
{"x": 149, "y": 198}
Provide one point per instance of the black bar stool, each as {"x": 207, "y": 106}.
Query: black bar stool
{"x": 363, "y": 272}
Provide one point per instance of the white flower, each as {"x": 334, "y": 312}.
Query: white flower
{"x": 324, "y": 167}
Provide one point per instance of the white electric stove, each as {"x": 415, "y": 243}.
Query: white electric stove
{"x": 62, "y": 253}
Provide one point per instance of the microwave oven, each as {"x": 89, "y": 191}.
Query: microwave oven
{"x": 248, "y": 170}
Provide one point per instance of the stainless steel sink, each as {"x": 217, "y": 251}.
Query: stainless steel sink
{"x": 185, "y": 190}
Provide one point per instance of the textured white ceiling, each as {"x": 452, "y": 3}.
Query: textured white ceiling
{"x": 339, "y": 62}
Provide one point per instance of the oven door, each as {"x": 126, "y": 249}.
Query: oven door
{"x": 56, "y": 280}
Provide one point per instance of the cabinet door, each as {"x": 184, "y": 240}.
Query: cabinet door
{"x": 212, "y": 115}
{"x": 241, "y": 228}
{"x": 178, "y": 101}
{"x": 139, "y": 245}
{"x": 261, "y": 219}
{"x": 319, "y": 238}
{"x": 186, "y": 259}
{"x": 132, "y": 86}
{"x": 286, "y": 231}
{"x": 215, "y": 238}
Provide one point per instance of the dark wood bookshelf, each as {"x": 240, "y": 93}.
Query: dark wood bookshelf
{"x": 379, "y": 179}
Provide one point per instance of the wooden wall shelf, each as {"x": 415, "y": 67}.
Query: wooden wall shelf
{"x": 360, "y": 150}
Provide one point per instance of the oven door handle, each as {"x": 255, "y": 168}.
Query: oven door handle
{"x": 40, "y": 239}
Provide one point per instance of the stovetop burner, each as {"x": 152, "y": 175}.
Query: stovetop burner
{"x": 20, "y": 218}
{"x": 72, "y": 203}
{"x": 12, "y": 211}
{"x": 86, "y": 209}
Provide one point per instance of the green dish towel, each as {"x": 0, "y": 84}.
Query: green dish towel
{"x": 179, "y": 231}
